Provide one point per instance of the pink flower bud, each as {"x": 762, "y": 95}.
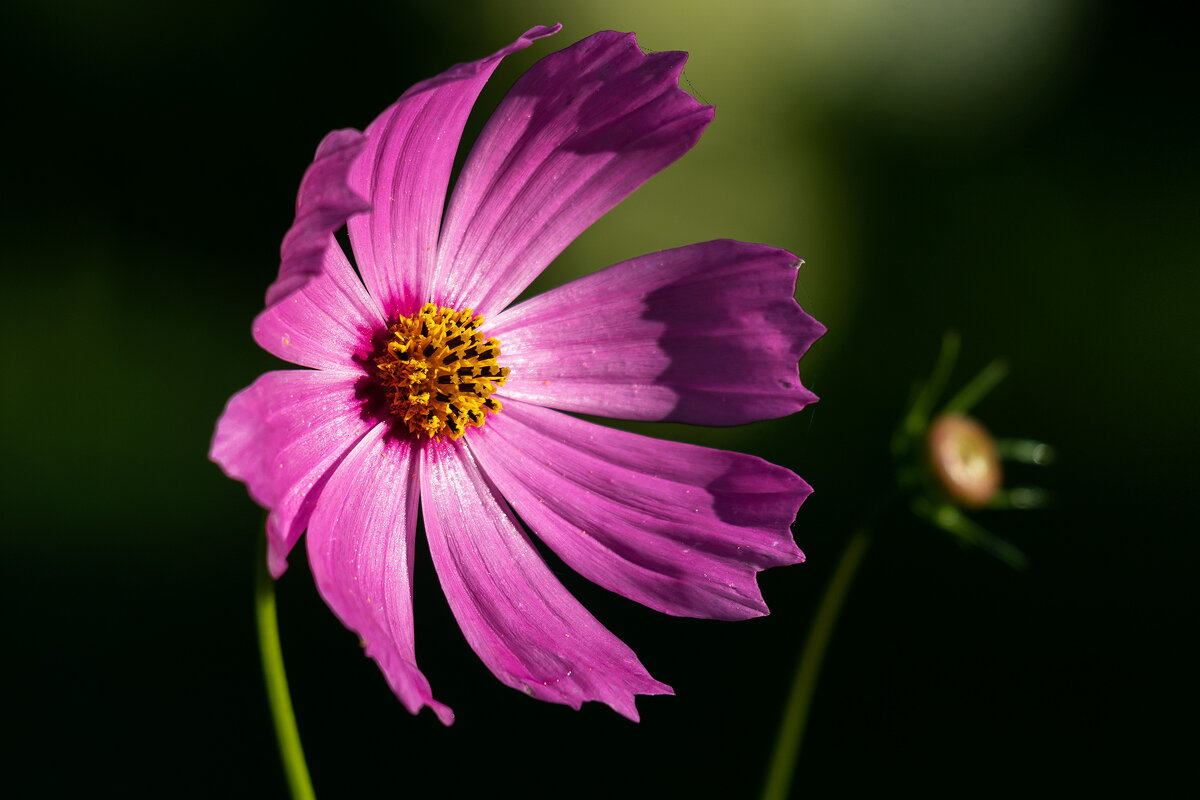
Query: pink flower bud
{"x": 963, "y": 460}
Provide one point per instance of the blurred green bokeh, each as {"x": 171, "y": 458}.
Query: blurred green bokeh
{"x": 1022, "y": 171}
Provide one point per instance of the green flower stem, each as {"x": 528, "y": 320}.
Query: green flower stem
{"x": 280, "y": 700}
{"x": 795, "y": 716}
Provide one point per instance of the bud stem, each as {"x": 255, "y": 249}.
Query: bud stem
{"x": 799, "y": 702}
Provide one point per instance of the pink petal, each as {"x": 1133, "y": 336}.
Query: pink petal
{"x": 360, "y": 544}
{"x": 707, "y": 334}
{"x": 324, "y": 203}
{"x": 528, "y": 630}
{"x": 327, "y": 324}
{"x": 405, "y": 170}
{"x": 280, "y": 436}
{"x": 680, "y": 528}
{"x": 578, "y": 132}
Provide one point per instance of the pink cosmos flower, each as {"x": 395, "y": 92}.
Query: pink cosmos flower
{"x": 426, "y": 388}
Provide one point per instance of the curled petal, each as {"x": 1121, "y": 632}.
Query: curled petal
{"x": 578, "y": 132}
{"x": 280, "y": 436}
{"x": 680, "y": 528}
{"x": 360, "y": 544}
{"x": 707, "y": 334}
{"x": 323, "y": 205}
{"x": 528, "y": 630}
{"x": 405, "y": 170}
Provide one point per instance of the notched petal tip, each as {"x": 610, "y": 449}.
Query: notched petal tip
{"x": 409, "y": 684}
{"x": 672, "y": 62}
{"x": 621, "y": 699}
{"x": 809, "y": 326}
{"x": 627, "y": 706}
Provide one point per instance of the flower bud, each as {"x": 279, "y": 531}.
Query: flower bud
{"x": 963, "y": 460}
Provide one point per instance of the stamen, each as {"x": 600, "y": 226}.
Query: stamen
{"x": 439, "y": 353}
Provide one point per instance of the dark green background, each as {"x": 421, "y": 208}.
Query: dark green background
{"x": 1049, "y": 214}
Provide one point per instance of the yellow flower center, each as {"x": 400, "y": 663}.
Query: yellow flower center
{"x": 439, "y": 371}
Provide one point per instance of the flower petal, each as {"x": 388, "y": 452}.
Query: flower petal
{"x": 405, "y": 171}
{"x": 280, "y": 436}
{"x": 323, "y": 205}
{"x": 578, "y": 132}
{"x": 707, "y": 334}
{"x": 516, "y": 616}
{"x": 327, "y": 324}
{"x": 360, "y": 544}
{"x": 680, "y": 528}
